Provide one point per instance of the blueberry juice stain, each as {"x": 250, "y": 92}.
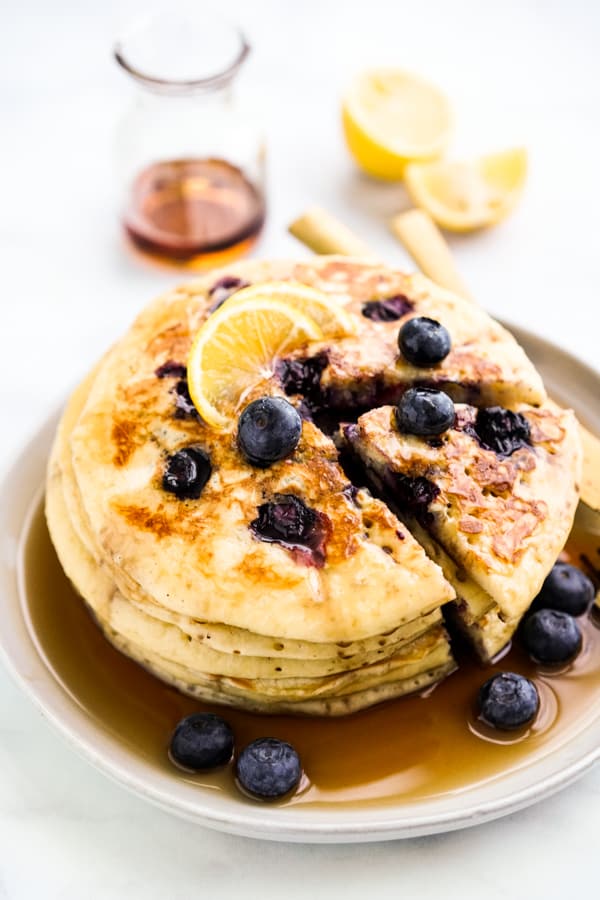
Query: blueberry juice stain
{"x": 407, "y": 749}
{"x": 194, "y": 212}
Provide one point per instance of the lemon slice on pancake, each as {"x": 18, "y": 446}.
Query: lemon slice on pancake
{"x": 391, "y": 118}
{"x": 237, "y": 347}
{"x": 329, "y": 315}
{"x": 463, "y": 196}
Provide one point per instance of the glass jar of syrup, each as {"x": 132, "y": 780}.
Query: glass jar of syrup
{"x": 191, "y": 160}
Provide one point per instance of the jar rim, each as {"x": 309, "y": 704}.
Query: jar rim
{"x": 169, "y": 84}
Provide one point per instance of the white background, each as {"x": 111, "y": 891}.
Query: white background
{"x": 517, "y": 73}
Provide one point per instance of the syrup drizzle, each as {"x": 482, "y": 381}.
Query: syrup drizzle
{"x": 412, "y": 748}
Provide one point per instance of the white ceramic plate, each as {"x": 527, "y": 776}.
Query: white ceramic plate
{"x": 569, "y": 382}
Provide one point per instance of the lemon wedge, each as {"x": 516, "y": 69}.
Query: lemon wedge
{"x": 463, "y": 196}
{"x": 392, "y": 118}
{"x": 331, "y": 318}
{"x": 237, "y": 347}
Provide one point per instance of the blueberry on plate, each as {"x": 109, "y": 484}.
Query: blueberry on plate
{"x": 567, "y": 589}
{"x": 268, "y": 430}
{"x": 268, "y": 768}
{"x": 508, "y": 701}
{"x": 186, "y": 473}
{"x": 425, "y": 411}
{"x": 423, "y": 341}
{"x": 551, "y": 636}
{"x": 201, "y": 741}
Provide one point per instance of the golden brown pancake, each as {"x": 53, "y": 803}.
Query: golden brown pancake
{"x": 495, "y": 521}
{"x": 343, "y": 612}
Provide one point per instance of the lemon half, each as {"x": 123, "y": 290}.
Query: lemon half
{"x": 463, "y": 196}
{"x": 391, "y": 118}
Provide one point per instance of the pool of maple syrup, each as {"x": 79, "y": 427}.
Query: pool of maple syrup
{"x": 407, "y": 749}
{"x": 194, "y": 211}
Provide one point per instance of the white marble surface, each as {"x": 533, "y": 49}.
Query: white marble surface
{"x": 517, "y": 72}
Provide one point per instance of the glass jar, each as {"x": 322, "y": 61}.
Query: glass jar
{"x": 190, "y": 159}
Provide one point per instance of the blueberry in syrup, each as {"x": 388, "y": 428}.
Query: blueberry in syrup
{"x": 508, "y": 701}
{"x": 268, "y": 768}
{"x": 201, "y": 741}
{"x": 501, "y": 430}
{"x": 223, "y": 289}
{"x": 551, "y": 636}
{"x": 288, "y": 521}
{"x": 186, "y": 473}
{"x": 566, "y": 588}
{"x": 423, "y": 341}
{"x": 425, "y": 411}
{"x": 269, "y": 429}
{"x": 388, "y": 309}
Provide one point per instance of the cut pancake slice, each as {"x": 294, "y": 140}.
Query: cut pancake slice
{"x": 494, "y": 521}
{"x": 474, "y": 612}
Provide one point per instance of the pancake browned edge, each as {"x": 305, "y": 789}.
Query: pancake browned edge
{"x": 347, "y": 616}
{"x": 495, "y": 523}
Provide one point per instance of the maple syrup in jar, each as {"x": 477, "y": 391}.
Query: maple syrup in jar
{"x": 190, "y": 158}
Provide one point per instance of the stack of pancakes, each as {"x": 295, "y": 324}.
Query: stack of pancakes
{"x": 350, "y": 614}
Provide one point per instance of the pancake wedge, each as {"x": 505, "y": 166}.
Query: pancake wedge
{"x": 494, "y": 520}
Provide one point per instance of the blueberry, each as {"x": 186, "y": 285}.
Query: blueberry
{"x": 268, "y": 768}
{"x": 388, "y": 309}
{"x": 508, "y": 701}
{"x": 288, "y": 521}
{"x": 567, "y": 589}
{"x": 171, "y": 369}
{"x": 423, "y": 341}
{"x": 302, "y": 376}
{"x": 412, "y": 495}
{"x": 201, "y": 741}
{"x": 501, "y": 430}
{"x": 425, "y": 411}
{"x": 184, "y": 405}
{"x": 186, "y": 473}
{"x": 551, "y": 636}
{"x": 223, "y": 289}
{"x": 269, "y": 429}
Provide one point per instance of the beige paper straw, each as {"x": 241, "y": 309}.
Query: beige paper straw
{"x": 419, "y": 234}
{"x": 323, "y": 234}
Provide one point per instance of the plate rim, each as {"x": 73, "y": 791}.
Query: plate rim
{"x": 293, "y": 824}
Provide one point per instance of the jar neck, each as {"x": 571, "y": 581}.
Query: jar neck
{"x": 220, "y": 95}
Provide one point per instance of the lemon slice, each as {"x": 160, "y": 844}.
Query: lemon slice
{"x": 332, "y": 319}
{"x": 237, "y": 347}
{"x": 392, "y": 118}
{"x": 464, "y": 196}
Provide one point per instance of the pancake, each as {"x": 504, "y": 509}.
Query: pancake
{"x": 336, "y": 615}
{"x": 169, "y": 652}
{"x": 493, "y": 520}
{"x": 201, "y": 558}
